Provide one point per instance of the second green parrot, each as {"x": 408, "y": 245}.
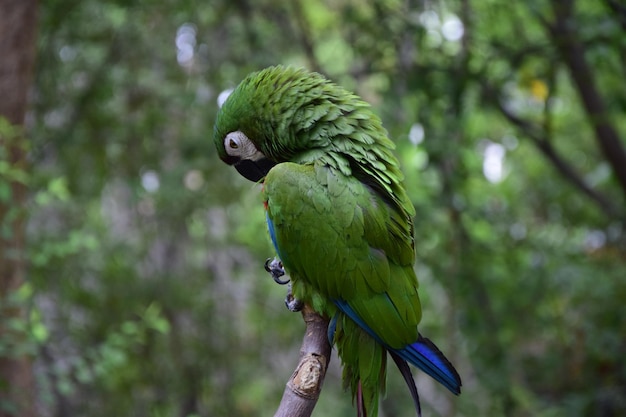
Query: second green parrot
{"x": 339, "y": 218}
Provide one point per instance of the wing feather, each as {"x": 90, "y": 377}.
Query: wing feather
{"x": 344, "y": 242}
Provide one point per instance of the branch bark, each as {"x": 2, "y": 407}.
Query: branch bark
{"x": 17, "y": 49}
{"x": 303, "y": 388}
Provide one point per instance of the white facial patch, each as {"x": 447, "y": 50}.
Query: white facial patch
{"x": 237, "y": 144}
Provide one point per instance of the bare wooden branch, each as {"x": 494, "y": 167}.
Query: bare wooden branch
{"x": 303, "y": 388}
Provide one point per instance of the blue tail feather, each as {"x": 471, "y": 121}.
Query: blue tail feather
{"x": 426, "y": 356}
{"x": 422, "y": 354}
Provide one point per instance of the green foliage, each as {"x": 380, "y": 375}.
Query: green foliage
{"x": 146, "y": 254}
{"x": 22, "y": 333}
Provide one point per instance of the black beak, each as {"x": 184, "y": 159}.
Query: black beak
{"x": 255, "y": 171}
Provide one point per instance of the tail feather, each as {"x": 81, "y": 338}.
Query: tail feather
{"x": 404, "y": 369}
{"x": 360, "y": 404}
{"x": 422, "y": 354}
{"x": 426, "y": 356}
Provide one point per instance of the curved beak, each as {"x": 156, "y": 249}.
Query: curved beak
{"x": 254, "y": 171}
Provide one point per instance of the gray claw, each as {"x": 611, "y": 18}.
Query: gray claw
{"x": 276, "y": 270}
{"x": 293, "y": 304}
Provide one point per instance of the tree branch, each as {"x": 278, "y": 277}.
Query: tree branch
{"x": 303, "y": 388}
{"x": 545, "y": 146}
{"x": 564, "y": 35}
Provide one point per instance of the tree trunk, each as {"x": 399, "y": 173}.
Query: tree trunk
{"x": 17, "y": 52}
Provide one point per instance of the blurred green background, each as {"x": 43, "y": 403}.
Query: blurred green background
{"x": 145, "y": 285}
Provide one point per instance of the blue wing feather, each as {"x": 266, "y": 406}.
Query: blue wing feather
{"x": 270, "y": 227}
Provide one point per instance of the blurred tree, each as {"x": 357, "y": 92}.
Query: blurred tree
{"x": 17, "y": 49}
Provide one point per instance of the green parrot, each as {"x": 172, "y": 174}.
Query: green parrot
{"x": 339, "y": 218}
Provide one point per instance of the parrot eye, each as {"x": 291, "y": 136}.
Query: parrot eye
{"x": 238, "y": 145}
{"x": 235, "y": 143}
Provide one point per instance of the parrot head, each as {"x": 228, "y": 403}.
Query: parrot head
{"x": 282, "y": 114}
{"x": 243, "y": 154}
{"x": 286, "y": 114}
{"x": 255, "y": 127}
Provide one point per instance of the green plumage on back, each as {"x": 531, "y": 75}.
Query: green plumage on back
{"x": 338, "y": 216}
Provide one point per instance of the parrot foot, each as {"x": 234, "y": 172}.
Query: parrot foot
{"x": 293, "y": 304}
{"x": 276, "y": 270}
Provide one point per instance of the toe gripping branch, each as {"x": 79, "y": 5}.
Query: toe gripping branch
{"x": 276, "y": 270}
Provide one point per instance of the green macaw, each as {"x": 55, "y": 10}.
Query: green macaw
{"x": 339, "y": 218}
